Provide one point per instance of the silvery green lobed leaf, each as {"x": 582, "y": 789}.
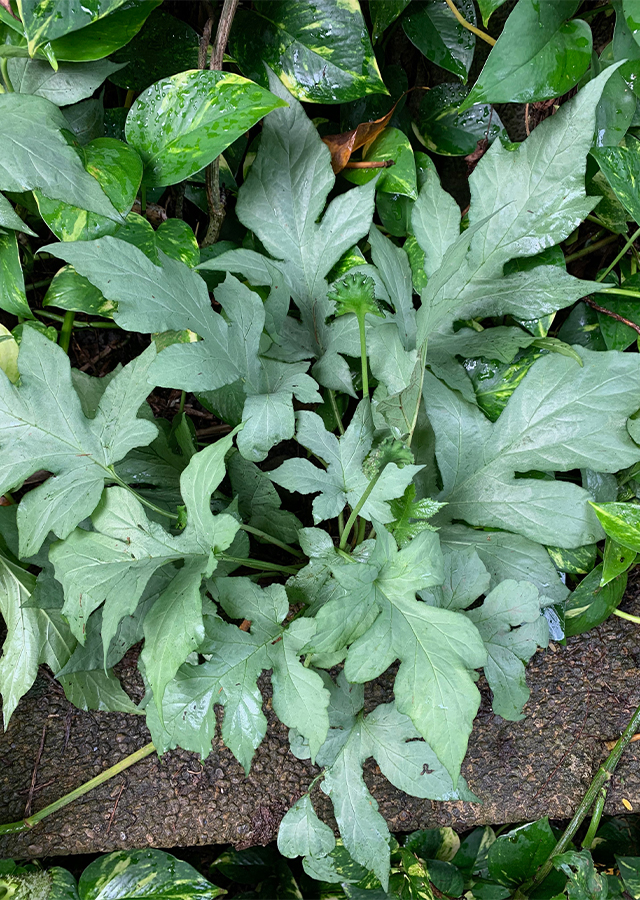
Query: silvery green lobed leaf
{"x": 409, "y": 764}
{"x": 35, "y": 154}
{"x": 236, "y": 659}
{"x": 522, "y": 201}
{"x": 258, "y": 501}
{"x": 343, "y": 481}
{"x": 301, "y": 832}
{"x": 282, "y": 201}
{"x": 512, "y": 629}
{"x": 372, "y": 610}
{"x": 70, "y": 83}
{"x": 113, "y": 564}
{"x": 78, "y": 451}
{"x": 561, "y": 417}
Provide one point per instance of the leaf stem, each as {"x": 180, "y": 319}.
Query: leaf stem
{"x": 602, "y": 777}
{"x": 267, "y": 537}
{"x": 4, "y": 69}
{"x": 598, "y": 807}
{"x": 356, "y": 509}
{"x": 56, "y": 318}
{"x": 481, "y": 34}
{"x": 336, "y": 411}
{"x": 26, "y": 824}
{"x": 627, "y": 616}
{"x": 629, "y": 243}
{"x": 363, "y": 357}
{"x": 141, "y": 499}
{"x": 260, "y": 564}
{"x": 622, "y": 291}
{"x": 66, "y": 331}
{"x": 609, "y": 239}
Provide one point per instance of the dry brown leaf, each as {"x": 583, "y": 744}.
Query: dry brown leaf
{"x": 343, "y": 145}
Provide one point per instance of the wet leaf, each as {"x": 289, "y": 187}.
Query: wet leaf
{"x": 319, "y": 49}
{"x": 617, "y": 559}
{"x": 383, "y": 13}
{"x": 13, "y": 298}
{"x": 621, "y": 167}
{"x": 182, "y": 123}
{"x": 343, "y": 145}
{"x": 443, "y": 129}
{"x": 539, "y": 55}
{"x": 400, "y": 178}
{"x": 435, "y": 31}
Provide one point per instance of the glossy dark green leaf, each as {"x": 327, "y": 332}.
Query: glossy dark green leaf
{"x": 104, "y": 36}
{"x": 383, "y": 13}
{"x": 132, "y": 874}
{"x": 617, "y": 559}
{"x": 164, "y": 46}
{"x": 487, "y": 7}
{"x": 621, "y": 167}
{"x": 71, "y": 82}
{"x": 625, "y": 46}
{"x": 631, "y": 12}
{"x": 45, "y": 21}
{"x": 617, "y": 335}
{"x": 71, "y": 291}
{"x": 86, "y": 120}
{"x": 433, "y": 843}
{"x": 248, "y": 866}
{"x": 174, "y": 238}
{"x": 63, "y": 884}
{"x": 182, "y": 123}
{"x": 444, "y": 130}
{"x": 578, "y": 561}
{"x": 12, "y": 294}
{"x": 445, "y": 877}
{"x": 320, "y": 49}
{"x": 629, "y": 867}
{"x": 582, "y": 327}
{"x": 617, "y": 105}
{"x": 434, "y": 30}
{"x": 584, "y": 882}
{"x": 118, "y": 170}
{"x": 539, "y": 55}
{"x": 401, "y": 177}
{"x": 621, "y": 521}
{"x": 590, "y": 604}
{"x": 515, "y": 857}
{"x": 495, "y": 382}
{"x": 9, "y": 218}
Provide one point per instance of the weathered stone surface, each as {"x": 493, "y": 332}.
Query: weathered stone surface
{"x": 582, "y": 695}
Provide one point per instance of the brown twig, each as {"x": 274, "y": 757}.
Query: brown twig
{"x": 204, "y": 43}
{"x": 365, "y": 164}
{"x": 115, "y": 806}
{"x": 6, "y": 5}
{"x": 527, "y": 126}
{"x": 212, "y": 174}
{"x": 607, "y": 312}
{"x": 34, "y": 774}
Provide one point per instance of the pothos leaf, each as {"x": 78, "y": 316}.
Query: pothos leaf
{"x": 62, "y": 440}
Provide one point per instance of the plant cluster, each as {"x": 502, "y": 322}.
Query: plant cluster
{"x": 454, "y": 432}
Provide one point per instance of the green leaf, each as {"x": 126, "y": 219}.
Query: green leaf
{"x": 164, "y": 46}
{"x": 182, "y": 123}
{"x": 35, "y": 154}
{"x": 478, "y": 453}
{"x": 444, "y": 129}
{"x": 435, "y": 31}
{"x": 13, "y": 298}
{"x": 434, "y": 843}
{"x": 126, "y": 549}
{"x": 539, "y": 55}
{"x": 42, "y": 22}
{"x": 617, "y": 335}
{"x": 68, "y": 84}
{"x": 96, "y": 689}
{"x": 258, "y": 500}
{"x": 303, "y": 249}
{"x": 410, "y": 516}
{"x": 9, "y": 218}
{"x": 373, "y": 609}
{"x": 391, "y": 144}
{"x": 509, "y": 218}
{"x": 621, "y": 521}
{"x": 77, "y": 451}
{"x": 630, "y": 871}
{"x": 63, "y": 884}
{"x": 512, "y": 629}
{"x": 465, "y": 579}
{"x": 621, "y": 167}
{"x": 487, "y": 7}
{"x": 409, "y": 764}
{"x": 320, "y": 50}
{"x": 590, "y": 604}
{"x": 106, "y": 35}
{"x": 68, "y": 290}
{"x": 133, "y": 874}
{"x": 301, "y": 832}
{"x": 516, "y": 856}
{"x": 8, "y": 354}
{"x": 616, "y": 559}
{"x": 574, "y": 562}
{"x": 383, "y": 13}
{"x": 118, "y": 169}
{"x": 34, "y": 636}
{"x": 87, "y": 120}
{"x": 584, "y": 882}
{"x": 343, "y": 481}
